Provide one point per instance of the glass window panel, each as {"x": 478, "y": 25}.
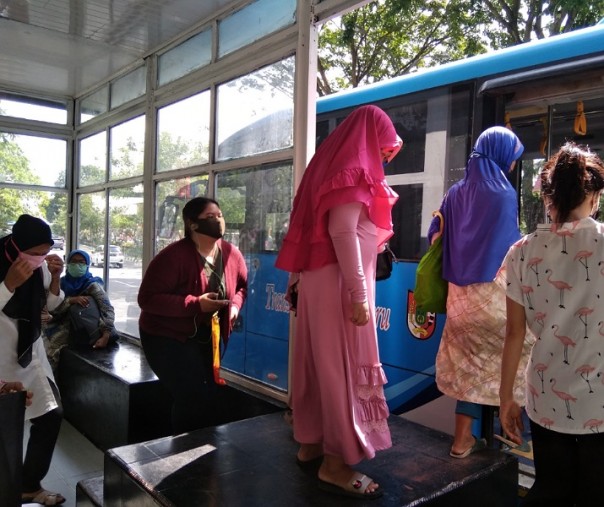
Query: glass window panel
{"x": 254, "y": 21}
{"x": 33, "y": 109}
{"x": 49, "y": 206}
{"x": 255, "y": 112}
{"x": 407, "y": 222}
{"x": 94, "y": 104}
{"x": 170, "y": 197}
{"x": 32, "y": 159}
{"x": 124, "y": 269}
{"x": 92, "y": 209}
{"x": 93, "y": 159}
{"x": 192, "y": 54}
{"x": 256, "y": 205}
{"x": 184, "y": 133}
{"x": 129, "y": 87}
{"x": 127, "y": 148}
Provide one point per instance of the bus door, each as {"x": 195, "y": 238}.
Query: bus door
{"x": 256, "y": 204}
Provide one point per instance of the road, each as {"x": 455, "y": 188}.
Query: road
{"x": 123, "y": 285}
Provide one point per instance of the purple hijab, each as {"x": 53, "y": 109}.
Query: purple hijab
{"x": 481, "y": 211}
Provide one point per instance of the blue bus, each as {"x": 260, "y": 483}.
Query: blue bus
{"x": 547, "y": 91}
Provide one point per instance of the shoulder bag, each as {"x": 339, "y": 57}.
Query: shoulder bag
{"x": 430, "y": 287}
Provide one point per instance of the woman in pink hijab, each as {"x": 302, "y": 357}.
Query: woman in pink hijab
{"x": 341, "y": 218}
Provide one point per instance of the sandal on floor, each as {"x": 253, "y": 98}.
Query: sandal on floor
{"x": 43, "y": 497}
{"x": 479, "y": 445}
{"x": 310, "y": 466}
{"x": 355, "y": 487}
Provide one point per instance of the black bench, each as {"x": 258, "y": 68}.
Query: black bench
{"x": 89, "y": 492}
{"x": 112, "y": 396}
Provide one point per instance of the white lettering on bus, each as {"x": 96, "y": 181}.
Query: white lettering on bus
{"x": 275, "y": 300}
{"x": 382, "y": 318}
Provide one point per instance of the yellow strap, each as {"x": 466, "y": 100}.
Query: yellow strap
{"x": 580, "y": 126}
{"x": 543, "y": 143}
{"x": 216, "y": 349}
{"x": 506, "y": 121}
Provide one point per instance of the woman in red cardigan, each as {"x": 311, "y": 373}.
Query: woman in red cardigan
{"x": 190, "y": 296}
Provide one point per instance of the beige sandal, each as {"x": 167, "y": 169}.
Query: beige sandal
{"x": 43, "y": 497}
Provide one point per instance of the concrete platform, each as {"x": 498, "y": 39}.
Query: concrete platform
{"x": 252, "y": 463}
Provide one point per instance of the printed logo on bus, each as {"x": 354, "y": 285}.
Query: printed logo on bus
{"x": 420, "y": 324}
{"x": 275, "y": 300}
{"x": 382, "y": 318}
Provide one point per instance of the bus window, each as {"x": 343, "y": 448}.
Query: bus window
{"x": 171, "y": 196}
{"x": 256, "y": 205}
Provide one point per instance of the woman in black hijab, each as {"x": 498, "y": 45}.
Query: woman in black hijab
{"x": 29, "y": 283}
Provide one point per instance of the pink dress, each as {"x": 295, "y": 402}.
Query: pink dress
{"x": 337, "y": 384}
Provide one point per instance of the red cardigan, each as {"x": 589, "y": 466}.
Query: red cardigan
{"x": 174, "y": 280}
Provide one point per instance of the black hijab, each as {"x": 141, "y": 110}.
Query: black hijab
{"x": 29, "y": 299}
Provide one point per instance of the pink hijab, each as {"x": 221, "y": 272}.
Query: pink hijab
{"x": 346, "y": 168}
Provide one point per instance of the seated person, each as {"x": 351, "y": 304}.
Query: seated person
{"x": 83, "y": 289}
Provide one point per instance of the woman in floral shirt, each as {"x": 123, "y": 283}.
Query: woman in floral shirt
{"x": 556, "y": 286}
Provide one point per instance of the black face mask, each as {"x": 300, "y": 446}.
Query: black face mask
{"x": 210, "y": 227}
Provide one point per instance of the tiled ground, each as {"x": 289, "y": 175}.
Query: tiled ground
{"x": 74, "y": 459}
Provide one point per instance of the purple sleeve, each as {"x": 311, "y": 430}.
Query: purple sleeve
{"x": 343, "y": 221}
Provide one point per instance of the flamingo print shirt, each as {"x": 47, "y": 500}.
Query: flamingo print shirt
{"x": 557, "y": 274}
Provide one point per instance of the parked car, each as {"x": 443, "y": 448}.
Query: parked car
{"x": 58, "y": 249}
{"x": 116, "y": 256}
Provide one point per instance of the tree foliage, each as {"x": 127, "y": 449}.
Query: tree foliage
{"x": 389, "y": 38}
{"x": 14, "y": 168}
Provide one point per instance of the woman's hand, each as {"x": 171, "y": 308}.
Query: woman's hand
{"x": 15, "y": 387}
{"x": 18, "y": 273}
{"x": 55, "y": 265}
{"x": 209, "y": 303}
{"x": 510, "y": 415}
{"x": 360, "y": 313}
{"x": 234, "y": 313}
{"x": 78, "y": 300}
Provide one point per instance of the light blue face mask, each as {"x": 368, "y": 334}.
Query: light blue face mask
{"x": 76, "y": 269}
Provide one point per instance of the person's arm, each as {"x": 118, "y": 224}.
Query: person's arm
{"x": 343, "y": 222}
{"x": 434, "y": 229}
{"x": 160, "y": 292}
{"x": 240, "y": 287}
{"x": 509, "y": 411}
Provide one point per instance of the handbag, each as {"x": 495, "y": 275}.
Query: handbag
{"x": 85, "y": 323}
{"x": 383, "y": 267}
{"x": 430, "y": 288}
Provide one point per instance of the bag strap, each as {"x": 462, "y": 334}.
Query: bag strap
{"x": 438, "y": 214}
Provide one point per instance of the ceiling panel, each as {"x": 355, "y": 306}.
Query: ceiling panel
{"x": 64, "y": 47}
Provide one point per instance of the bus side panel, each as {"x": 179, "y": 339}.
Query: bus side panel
{"x": 258, "y": 347}
{"x": 408, "y": 340}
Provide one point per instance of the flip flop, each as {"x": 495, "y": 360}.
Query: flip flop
{"x": 310, "y": 466}
{"x": 43, "y": 497}
{"x": 355, "y": 488}
{"x": 479, "y": 445}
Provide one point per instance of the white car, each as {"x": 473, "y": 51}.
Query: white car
{"x": 116, "y": 256}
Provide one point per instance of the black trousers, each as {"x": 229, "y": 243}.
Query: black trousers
{"x": 186, "y": 371}
{"x": 43, "y": 435}
{"x": 569, "y": 469}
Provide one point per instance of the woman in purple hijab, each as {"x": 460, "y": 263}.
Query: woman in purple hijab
{"x": 481, "y": 223}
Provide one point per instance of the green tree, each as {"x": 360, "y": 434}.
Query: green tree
{"x": 14, "y": 168}
{"x": 517, "y": 21}
{"x": 389, "y": 38}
